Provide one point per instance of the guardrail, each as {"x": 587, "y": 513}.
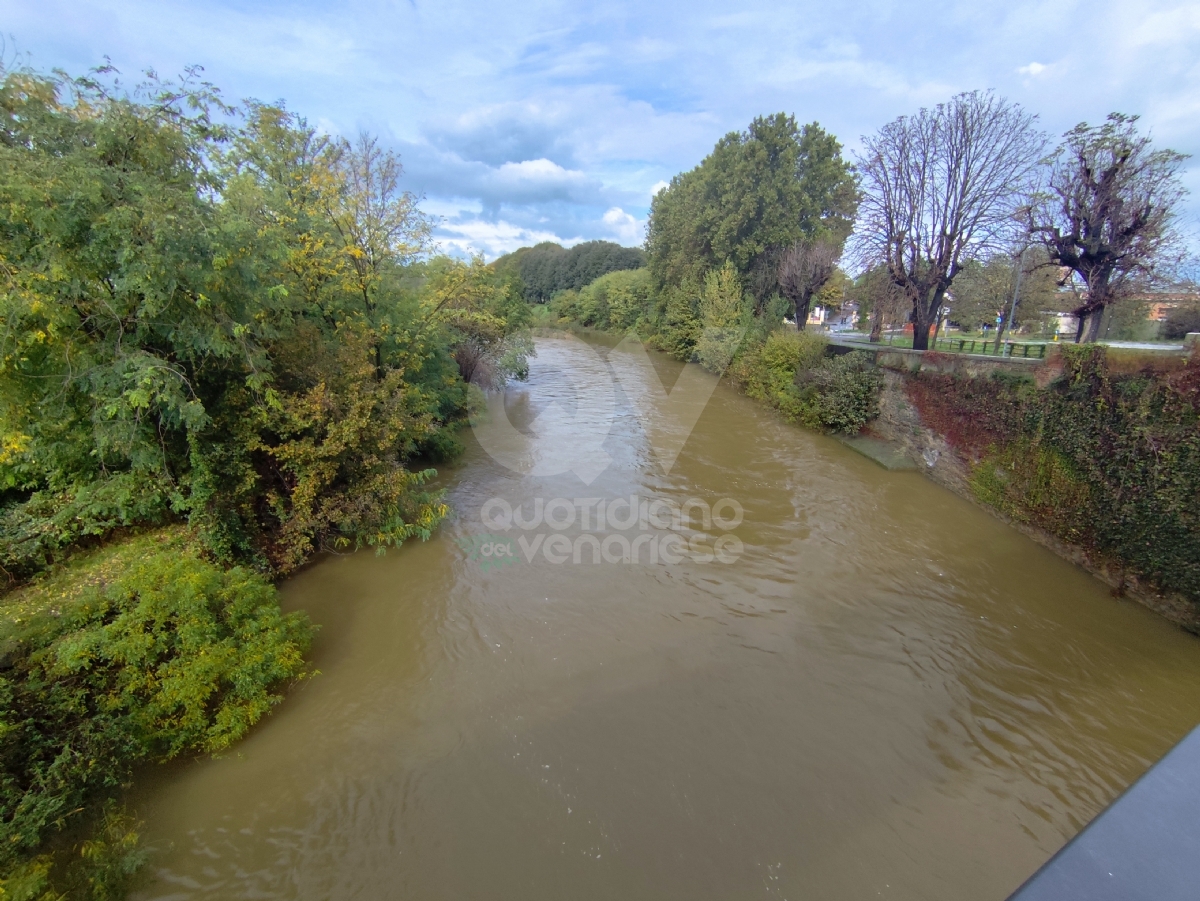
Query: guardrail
{"x": 1009, "y": 350}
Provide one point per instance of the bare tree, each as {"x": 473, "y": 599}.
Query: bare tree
{"x": 1110, "y": 214}
{"x": 942, "y": 186}
{"x": 803, "y": 270}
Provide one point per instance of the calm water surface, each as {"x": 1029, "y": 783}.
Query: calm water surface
{"x": 889, "y": 695}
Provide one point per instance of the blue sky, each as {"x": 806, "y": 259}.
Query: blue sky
{"x": 557, "y": 121}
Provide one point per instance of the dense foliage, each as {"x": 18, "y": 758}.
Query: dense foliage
{"x": 1104, "y": 459}
{"x": 228, "y": 322}
{"x": 758, "y": 193}
{"x": 1181, "y": 322}
{"x": 548, "y": 268}
{"x": 145, "y": 651}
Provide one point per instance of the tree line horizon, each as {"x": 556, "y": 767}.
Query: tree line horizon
{"x": 960, "y": 194}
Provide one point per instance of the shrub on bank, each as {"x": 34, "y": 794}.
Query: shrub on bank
{"x": 842, "y": 393}
{"x": 791, "y": 373}
{"x": 141, "y": 651}
{"x": 1104, "y": 459}
{"x": 768, "y": 372}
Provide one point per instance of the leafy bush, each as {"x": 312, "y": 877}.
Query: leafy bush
{"x": 1181, "y": 322}
{"x": 791, "y": 372}
{"x": 768, "y": 372}
{"x": 143, "y": 651}
{"x": 725, "y": 319}
{"x": 842, "y": 393}
{"x": 100, "y": 868}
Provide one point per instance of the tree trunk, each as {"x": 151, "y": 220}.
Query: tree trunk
{"x": 1089, "y": 326}
{"x": 876, "y": 325}
{"x": 800, "y": 311}
{"x": 1000, "y": 332}
{"x": 923, "y": 313}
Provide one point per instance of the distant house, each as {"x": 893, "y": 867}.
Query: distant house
{"x": 1064, "y": 323}
{"x": 1160, "y": 310}
{"x": 1161, "y": 305}
{"x": 847, "y": 315}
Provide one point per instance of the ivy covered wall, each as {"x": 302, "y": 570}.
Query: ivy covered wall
{"x": 1105, "y": 456}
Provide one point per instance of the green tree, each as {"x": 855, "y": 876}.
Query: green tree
{"x": 547, "y": 268}
{"x": 616, "y": 300}
{"x": 724, "y": 317}
{"x": 758, "y": 193}
{"x": 983, "y": 291}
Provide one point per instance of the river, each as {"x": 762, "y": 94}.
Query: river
{"x": 876, "y": 690}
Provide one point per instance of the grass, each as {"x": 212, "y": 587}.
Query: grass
{"x": 62, "y": 586}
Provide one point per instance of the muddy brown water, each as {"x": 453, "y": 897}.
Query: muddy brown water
{"x": 888, "y": 694}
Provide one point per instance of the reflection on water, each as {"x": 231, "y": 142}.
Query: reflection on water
{"x": 890, "y": 694}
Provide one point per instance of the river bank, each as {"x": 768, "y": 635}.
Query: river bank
{"x": 139, "y": 651}
{"x": 900, "y": 422}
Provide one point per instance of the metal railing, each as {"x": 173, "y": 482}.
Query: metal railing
{"x": 1007, "y": 348}
{"x": 982, "y": 346}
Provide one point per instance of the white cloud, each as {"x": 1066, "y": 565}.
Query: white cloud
{"x": 445, "y": 174}
{"x": 1162, "y": 28}
{"x": 492, "y": 239}
{"x": 627, "y": 229}
{"x": 539, "y": 174}
{"x": 658, "y": 186}
{"x": 1033, "y": 70}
